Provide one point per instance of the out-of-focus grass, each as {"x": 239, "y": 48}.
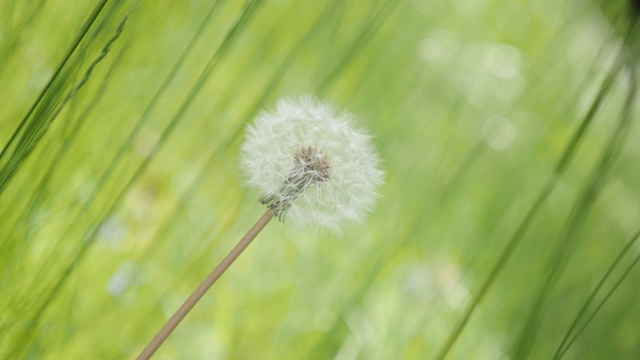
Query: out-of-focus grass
{"x": 119, "y": 188}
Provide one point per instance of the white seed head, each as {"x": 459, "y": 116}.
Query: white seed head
{"x": 311, "y": 164}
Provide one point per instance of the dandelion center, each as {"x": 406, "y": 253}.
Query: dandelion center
{"x": 313, "y": 165}
{"x": 310, "y": 167}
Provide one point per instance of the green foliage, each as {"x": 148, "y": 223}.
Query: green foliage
{"x": 507, "y": 225}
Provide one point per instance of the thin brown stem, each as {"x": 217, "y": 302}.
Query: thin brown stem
{"x": 206, "y": 284}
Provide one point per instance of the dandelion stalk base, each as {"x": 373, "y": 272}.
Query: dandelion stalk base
{"x": 173, "y": 322}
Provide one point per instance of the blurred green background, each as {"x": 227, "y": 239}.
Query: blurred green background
{"x": 506, "y": 130}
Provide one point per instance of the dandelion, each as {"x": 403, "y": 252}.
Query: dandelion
{"x": 312, "y": 166}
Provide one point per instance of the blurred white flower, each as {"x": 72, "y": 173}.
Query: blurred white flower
{"x": 311, "y": 164}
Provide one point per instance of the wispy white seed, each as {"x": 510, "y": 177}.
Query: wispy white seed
{"x": 311, "y": 164}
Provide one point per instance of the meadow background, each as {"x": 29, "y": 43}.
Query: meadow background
{"x": 507, "y": 133}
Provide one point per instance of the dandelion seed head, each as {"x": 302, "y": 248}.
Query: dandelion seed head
{"x": 311, "y": 165}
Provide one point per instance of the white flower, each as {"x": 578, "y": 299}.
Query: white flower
{"x": 311, "y": 165}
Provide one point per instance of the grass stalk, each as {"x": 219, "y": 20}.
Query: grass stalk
{"x": 9, "y": 168}
{"x": 568, "y": 339}
{"x": 579, "y": 213}
{"x": 515, "y": 240}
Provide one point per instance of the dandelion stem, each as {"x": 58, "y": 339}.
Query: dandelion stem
{"x": 166, "y": 330}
